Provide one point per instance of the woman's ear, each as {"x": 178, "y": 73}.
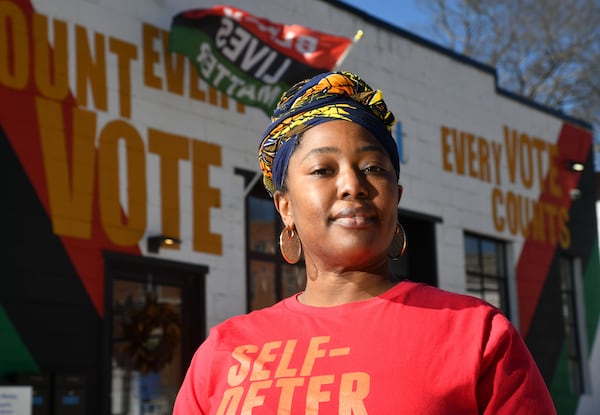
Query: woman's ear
{"x": 399, "y": 192}
{"x": 283, "y": 206}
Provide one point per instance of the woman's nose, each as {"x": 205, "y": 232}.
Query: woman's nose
{"x": 352, "y": 183}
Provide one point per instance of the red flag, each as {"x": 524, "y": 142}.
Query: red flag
{"x": 249, "y": 58}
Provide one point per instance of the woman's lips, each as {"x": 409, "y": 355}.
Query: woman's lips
{"x": 355, "y": 222}
{"x": 354, "y": 218}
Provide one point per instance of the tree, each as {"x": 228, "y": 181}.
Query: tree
{"x": 544, "y": 50}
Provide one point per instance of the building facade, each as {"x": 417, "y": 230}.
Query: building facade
{"x": 135, "y": 218}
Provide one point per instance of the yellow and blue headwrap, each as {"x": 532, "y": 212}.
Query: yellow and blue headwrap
{"x": 325, "y": 97}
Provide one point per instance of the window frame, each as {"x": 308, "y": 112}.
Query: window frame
{"x": 573, "y": 325}
{"x": 500, "y": 276}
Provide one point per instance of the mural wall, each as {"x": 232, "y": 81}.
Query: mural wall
{"x": 107, "y": 138}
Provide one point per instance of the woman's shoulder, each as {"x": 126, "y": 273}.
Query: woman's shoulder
{"x": 268, "y": 315}
{"x": 448, "y": 310}
{"x": 418, "y": 294}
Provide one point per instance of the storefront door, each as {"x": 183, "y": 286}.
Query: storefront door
{"x": 156, "y": 321}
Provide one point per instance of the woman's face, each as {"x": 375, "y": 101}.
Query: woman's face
{"x": 342, "y": 196}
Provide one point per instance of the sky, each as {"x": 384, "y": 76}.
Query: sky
{"x": 413, "y": 16}
{"x": 410, "y": 15}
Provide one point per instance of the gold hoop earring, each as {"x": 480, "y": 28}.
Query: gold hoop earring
{"x": 290, "y": 245}
{"x": 398, "y": 244}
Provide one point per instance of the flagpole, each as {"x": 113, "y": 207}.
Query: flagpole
{"x": 357, "y": 37}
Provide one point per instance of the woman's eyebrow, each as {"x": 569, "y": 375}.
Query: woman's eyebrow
{"x": 321, "y": 150}
{"x": 371, "y": 148}
{"x": 328, "y": 150}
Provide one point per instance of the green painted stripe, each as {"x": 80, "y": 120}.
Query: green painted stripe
{"x": 566, "y": 402}
{"x": 14, "y": 355}
{"x": 591, "y": 294}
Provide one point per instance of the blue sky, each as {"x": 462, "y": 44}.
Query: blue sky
{"x": 410, "y": 15}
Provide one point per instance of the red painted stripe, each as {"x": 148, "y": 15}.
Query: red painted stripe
{"x": 19, "y": 120}
{"x": 536, "y": 257}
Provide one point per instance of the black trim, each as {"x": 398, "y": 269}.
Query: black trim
{"x": 419, "y": 215}
{"x": 248, "y": 175}
{"x": 419, "y": 261}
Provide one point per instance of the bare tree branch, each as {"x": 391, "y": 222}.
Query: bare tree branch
{"x": 545, "y": 50}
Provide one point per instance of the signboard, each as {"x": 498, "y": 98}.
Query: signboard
{"x": 15, "y": 400}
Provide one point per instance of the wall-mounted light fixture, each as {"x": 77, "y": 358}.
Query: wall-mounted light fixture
{"x": 155, "y": 242}
{"x": 575, "y": 166}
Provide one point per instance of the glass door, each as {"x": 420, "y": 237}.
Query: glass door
{"x": 146, "y": 347}
{"x": 155, "y": 322}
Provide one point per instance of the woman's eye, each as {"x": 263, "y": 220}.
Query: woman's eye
{"x": 374, "y": 169}
{"x": 321, "y": 171}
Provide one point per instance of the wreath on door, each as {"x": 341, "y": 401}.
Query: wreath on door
{"x": 151, "y": 336}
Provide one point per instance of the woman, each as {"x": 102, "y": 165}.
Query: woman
{"x": 355, "y": 341}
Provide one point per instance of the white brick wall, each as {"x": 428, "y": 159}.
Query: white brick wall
{"x": 425, "y": 89}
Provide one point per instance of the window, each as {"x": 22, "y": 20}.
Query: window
{"x": 570, "y": 324}
{"x": 269, "y": 277}
{"x": 486, "y": 270}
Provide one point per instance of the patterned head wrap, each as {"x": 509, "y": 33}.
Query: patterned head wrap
{"x": 325, "y": 97}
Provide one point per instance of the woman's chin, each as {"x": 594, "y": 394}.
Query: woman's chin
{"x": 355, "y": 257}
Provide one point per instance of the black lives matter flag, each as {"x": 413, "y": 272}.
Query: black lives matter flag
{"x": 251, "y": 59}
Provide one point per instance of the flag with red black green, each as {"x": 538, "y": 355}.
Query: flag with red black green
{"x": 249, "y": 58}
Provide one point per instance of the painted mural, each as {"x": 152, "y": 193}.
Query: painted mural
{"x": 106, "y": 137}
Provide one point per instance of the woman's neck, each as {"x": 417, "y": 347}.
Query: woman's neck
{"x": 327, "y": 289}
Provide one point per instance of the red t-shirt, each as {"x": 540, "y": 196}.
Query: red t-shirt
{"x": 412, "y": 350}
